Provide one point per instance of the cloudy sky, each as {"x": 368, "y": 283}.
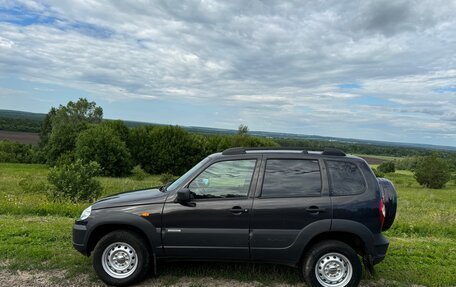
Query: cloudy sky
{"x": 382, "y": 70}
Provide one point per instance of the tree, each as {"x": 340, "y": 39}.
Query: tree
{"x": 102, "y": 144}
{"x": 386, "y": 167}
{"x": 166, "y": 149}
{"x": 432, "y": 171}
{"x": 64, "y": 124}
{"x": 75, "y": 181}
{"x": 119, "y": 128}
{"x": 46, "y": 127}
{"x": 243, "y": 129}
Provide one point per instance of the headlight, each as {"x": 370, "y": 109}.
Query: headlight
{"x": 86, "y": 213}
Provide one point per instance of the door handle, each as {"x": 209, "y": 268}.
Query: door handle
{"x": 238, "y": 210}
{"x": 314, "y": 209}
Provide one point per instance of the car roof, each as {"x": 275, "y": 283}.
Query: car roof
{"x": 327, "y": 153}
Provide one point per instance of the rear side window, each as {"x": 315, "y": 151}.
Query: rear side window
{"x": 346, "y": 178}
{"x": 291, "y": 178}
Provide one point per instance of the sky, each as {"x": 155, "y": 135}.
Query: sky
{"x": 378, "y": 70}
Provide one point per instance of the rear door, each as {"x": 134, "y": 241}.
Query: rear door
{"x": 292, "y": 204}
{"x": 215, "y": 224}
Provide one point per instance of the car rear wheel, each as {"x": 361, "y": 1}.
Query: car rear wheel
{"x": 331, "y": 263}
{"x": 121, "y": 258}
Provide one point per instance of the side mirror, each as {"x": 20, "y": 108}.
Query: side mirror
{"x": 183, "y": 196}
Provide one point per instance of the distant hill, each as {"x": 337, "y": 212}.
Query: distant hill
{"x": 20, "y": 121}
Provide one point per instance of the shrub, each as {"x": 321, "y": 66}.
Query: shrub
{"x": 387, "y": 167}
{"x": 15, "y": 152}
{"x": 138, "y": 173}
{"x": 75, "y": 181}
{"x": 407, "y": 163}
{"x": 167, "y": 177}
{"x": 102, "y": 144}
{"x": 378, "y": 173}
{"x": 432, "y": 171}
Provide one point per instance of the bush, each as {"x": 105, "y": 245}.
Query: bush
{"x": 378, "y": 173}
{"x": 432, "y": 171}
{"x": 407, "y": 163}
{"x": 102, "y": 144}
{"x": 138, "y": 173}
{"x": 387, "y": 167}
{"x": 14, "y": 152}
{"x": 75, "y": 181}
{"x": 167, "y": 177}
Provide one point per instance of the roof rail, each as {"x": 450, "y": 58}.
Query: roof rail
{"x": 333, "y": 151}
{"x": 242, "y": 150}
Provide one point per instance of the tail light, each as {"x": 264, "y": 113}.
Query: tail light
{"x": 382, "y": 212}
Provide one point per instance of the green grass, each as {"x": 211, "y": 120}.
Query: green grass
{"x": 35, "y": 234}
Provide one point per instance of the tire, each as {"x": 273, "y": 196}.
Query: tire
{"x": 129, "y": 258}
{"x": 340, "y": 261}
{"x": 389, "y": 196}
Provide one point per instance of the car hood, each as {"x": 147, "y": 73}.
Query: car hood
{"x": 137, "y": 197}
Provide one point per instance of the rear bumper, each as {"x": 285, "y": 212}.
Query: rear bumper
{"x": 380, "y": 247}
{"x": 79, "y": 238}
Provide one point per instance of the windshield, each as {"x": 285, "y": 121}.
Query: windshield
{"x": 183, "y": 178}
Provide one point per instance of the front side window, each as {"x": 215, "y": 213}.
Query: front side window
{"x": 291, "y": 178}
{"x": 346, "y": 178}
{"x": 226, "y": 179}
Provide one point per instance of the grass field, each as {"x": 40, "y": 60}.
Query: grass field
{"x": 35, "y": 234}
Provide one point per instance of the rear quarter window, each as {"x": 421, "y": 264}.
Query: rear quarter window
{"x": 345, "y": 178}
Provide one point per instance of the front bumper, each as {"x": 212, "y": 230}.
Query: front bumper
{"x": 79, "y": 237}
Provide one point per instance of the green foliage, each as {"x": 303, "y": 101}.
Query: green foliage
{"x": 432, "y": 171}
{"x": 166, "y": 149}
{"x": 65, "y": 124}
{"x": 75, "y": 181}
{"x": 14, "y": 152}
{"x": 20, "y": 125}
{"x": 378, "y": 173}
{"x": 167, "y": 177}
{"x": 386, "y": 167}
{"x": 102, "y": 144}
{"x": 138, "y": 173}
{"x": 220, "y": 143}
{"x": 243, "y": 129}
{"x": 118, "y": 127}
{"x": 46, "y": 127}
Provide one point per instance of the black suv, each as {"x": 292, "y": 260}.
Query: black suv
{"x": 317, "y": 211}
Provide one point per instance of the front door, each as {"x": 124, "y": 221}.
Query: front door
{"x": 215, "y": 224}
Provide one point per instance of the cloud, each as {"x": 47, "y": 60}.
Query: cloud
{"x": 306, "y": 67}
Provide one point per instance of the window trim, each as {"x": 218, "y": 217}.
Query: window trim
{"x": 330, "y": 179}
{"x": 260, "y": 195}
{"x": 249, "y": 191}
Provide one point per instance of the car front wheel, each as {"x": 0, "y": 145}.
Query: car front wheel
{"x": 121, "y": 258}
{"x": 331, "y": 264}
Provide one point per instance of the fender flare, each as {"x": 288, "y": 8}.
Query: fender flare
{"x": 152, "y": 234}
{"x": 350, "y": 226}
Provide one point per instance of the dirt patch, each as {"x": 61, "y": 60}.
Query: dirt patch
{"x": 58, "y": 278}
{"x": 42, "y": 279}
{"x": 373, "y": 160}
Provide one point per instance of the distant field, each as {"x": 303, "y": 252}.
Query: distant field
{"x": 22, "y": 137}
{"x": 376, "y": 159}
{"x": 36, "y": 236}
